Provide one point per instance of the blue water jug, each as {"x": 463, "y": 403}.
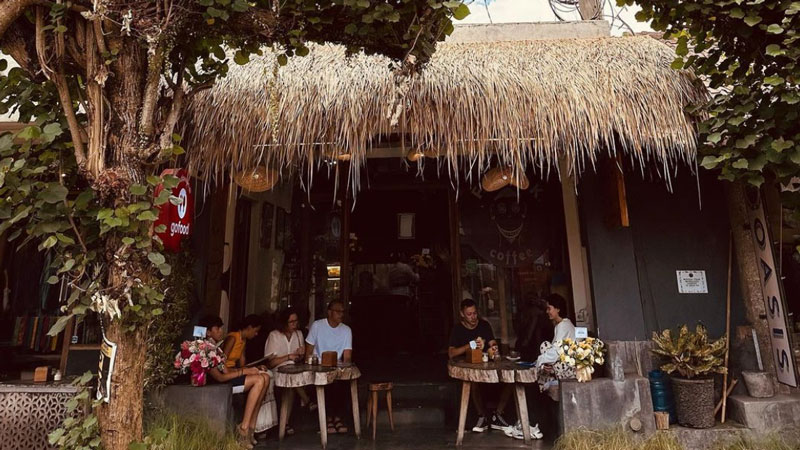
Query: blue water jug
{"x": 661, "y": 391}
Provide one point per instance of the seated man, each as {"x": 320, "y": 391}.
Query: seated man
{"x": 472, "y": 328}
{"x": 326, "y": 335}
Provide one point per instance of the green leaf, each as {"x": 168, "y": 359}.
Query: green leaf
{"x": 53, "y": 437}
{"x": 737, "y": 13}
{"x": 146, "y": 215}
{"x": 752, "y": 20}
{"x": 153, "y": 180}
{"x": 138, "y": 189}
{"x": 128, "y": 240}
{"x": 461, "y": 12}
{"x": 677, "y": 63}
{"x": 241, "y": 58}
{"x": 774, "y": 80}
{"x": 714, "y": 137}
{"x": 59, "y": 325}
{"x": 157, "y": 312}
{"x": 156, "y": 258}
{"x": 137, "y": 446}
{"x": 757, "y": 164}
{"x": 775, "y": 29}
{"x": 49, "y": 242}
{"x": 282, "y": 59}
{"x": 82, "y": 201}
{"x": 710, "y": 162}
{"x": 52, "y": 280}
{"x": 165, "y": 269}
{"x": 775, "y": 50}
{"x": 740, "y": 163}
{"x": 54, "y": 193}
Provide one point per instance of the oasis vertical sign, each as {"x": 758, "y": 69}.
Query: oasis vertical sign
{"x": 772, "y": 288}
{"x": 176, "y": 218}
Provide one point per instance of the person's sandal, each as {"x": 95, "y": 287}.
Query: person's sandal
{"x": 340, "y": 428}
{"x": 289, "y": 430}
{"x": 331, "y": 427}
{"x": 243, "y": 438}
{"x": 252, "y": 433}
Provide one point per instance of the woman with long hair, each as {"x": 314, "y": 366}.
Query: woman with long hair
{"x": 286, "y": 345}
{"x": 251, "y": 380}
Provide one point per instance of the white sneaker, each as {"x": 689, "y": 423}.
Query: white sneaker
{"x": 481, "y": 426}
{"x": 516, "y": 432}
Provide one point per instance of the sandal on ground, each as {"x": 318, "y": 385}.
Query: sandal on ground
{"x": 340, "y": 428}
{"x": 289, "y": 430}
{"x": 311, "y": 406}
{"x": 243, "y": 438}
{"x": 252, "y": 433}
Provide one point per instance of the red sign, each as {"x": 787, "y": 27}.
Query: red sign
{"x": 177, "y": 218}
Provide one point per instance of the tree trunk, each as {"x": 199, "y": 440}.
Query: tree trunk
{"x": 121, "y": 419}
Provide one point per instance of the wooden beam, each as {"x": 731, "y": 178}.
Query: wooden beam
{"x": 344, "y": 196}
{"x": 581, "y": 297}
{"x": 455, "y": 251}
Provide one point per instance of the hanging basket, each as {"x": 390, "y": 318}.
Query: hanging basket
{"x": 259, "y": 179}
{"x": 416, "y": 155}
{"x": 522, "y": 182}
{"x": 495, "y": 179}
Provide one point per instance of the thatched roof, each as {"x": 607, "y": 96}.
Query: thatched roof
{"x": 527, "y": 102}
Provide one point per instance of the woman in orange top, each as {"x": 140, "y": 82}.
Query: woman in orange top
{"x": 235, "y": 341}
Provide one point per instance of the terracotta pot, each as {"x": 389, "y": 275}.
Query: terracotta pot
{"x": 694, "y": 401}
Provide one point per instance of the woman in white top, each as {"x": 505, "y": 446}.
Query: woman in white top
{"x": 287, "y": 346}
{"x": 549, "y": 363}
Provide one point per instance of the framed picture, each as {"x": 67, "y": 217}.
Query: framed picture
{"x": 281, "y": 226}
{"x": 267, "y": 220}
{"x": 406, "y": 226}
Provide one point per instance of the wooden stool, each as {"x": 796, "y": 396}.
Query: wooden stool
{"x": 372, "y": 405}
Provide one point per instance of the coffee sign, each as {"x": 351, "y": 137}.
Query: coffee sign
{"x": 176, "y": 218}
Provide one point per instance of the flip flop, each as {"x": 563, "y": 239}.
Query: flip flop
{"x": 340, "y": 428}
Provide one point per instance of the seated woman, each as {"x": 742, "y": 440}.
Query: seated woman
{"x": 252, "y": 380}
{"x": 552, "y": 369}
{"x": 286, "y": 346}
{"x": 235, "y": 342}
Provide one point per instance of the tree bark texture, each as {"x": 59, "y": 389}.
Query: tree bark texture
{"x": 749, "y": 275}
{"x": 121, "y": 419}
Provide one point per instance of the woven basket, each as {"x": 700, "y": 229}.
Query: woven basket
{"x": 259, "y": 179}
{"x": 416, "y": 155}
{"x": 495, "y": 179}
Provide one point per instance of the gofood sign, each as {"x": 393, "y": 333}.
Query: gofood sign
{"x": 176, "y": 218}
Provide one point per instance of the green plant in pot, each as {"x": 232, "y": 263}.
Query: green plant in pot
{"x": 692, "y": 360}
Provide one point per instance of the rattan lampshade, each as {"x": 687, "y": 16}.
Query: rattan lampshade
{"x": 495, "y": 179}
{"x": 415, "y": 155}
{"x": 521, "y": 182}
{"x": 259, "y": 179}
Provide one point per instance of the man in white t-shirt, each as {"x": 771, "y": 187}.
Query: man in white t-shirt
{"x": 331, "y": 335}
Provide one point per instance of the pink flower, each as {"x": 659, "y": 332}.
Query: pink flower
{"x": 204, "y": 363}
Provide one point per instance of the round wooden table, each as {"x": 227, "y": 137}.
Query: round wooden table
{"x": 298, "y": 375}
{"x": 493, "y": 372}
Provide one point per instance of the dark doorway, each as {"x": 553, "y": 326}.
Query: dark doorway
{"x": 241, "y": 255}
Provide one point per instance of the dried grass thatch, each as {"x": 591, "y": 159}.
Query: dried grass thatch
{"x": 524, "y": 103}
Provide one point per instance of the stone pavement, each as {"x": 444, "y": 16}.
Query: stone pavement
{"x": 401, "y": 439}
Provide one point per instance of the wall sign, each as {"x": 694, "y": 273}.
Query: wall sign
{"x": 177, "y": 218}
{"x": 692, "y": 282}
{"x": 772, "y": 287}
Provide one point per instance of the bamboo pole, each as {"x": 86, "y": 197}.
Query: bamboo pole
{"x": 725, "y": 395}
{"x": 727, "y": 329}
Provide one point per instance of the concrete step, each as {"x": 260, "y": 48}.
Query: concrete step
{"x": 708, "y": 438}
{"x": 765, "y": 414}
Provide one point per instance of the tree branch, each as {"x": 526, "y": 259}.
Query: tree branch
{"x": 155, "y": 65}
{"x": 10, "y": 11}
{"x": 15, "y": 45}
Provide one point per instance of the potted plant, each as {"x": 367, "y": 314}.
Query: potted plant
{"x": 692, "y": 360}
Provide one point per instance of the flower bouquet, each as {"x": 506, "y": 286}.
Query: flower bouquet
{"x": 582, "y": 355}
{"x": 423, "y": 261}
{"x": 199, "y": 357}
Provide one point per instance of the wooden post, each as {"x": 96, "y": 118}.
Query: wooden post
{"x": 727, "y": 329}
{"x": 323, "y": 426}
{"x": 344, "y": 196}
{"x": 522, "y": 403}
{"x": 501, "y": 299}
{"x": 218, "y": 203}
{"x": 455, "y": 251}
{"x": 65, "y": 346}
{"x": 662, "y": 420}
{"x": 578, "y": 273}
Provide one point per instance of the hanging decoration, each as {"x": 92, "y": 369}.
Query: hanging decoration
{"x": 259, "y": 179}
{"x": 499, "y": 177}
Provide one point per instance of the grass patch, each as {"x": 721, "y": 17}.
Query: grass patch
{"x": 173, "y": 432}
{"x": 614, "y": 439}
{"x": 786, "y": 440}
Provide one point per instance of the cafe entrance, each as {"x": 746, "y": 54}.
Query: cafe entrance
{"x": 409, "y": 247}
